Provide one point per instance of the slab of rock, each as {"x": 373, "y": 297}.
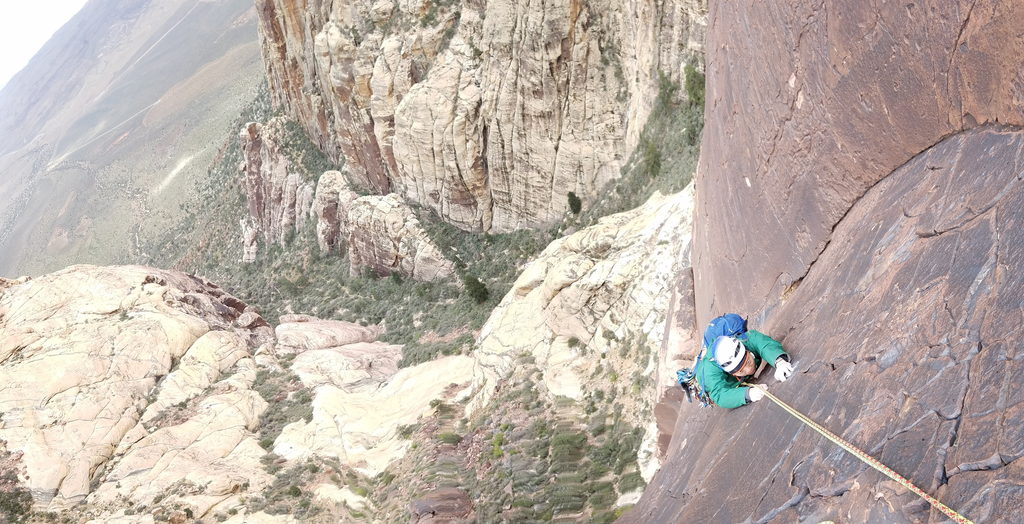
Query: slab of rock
{"x": 117, "y": 382}
{"x": 360, "y": 425}
{"x": 679, "y": 347}
{"x": 594, "y": 286}
{"x": 594, "y": 305}
{"x": 296, "y": 335}
{"x": 425, "y": 105}
{"x": 810, "y": 105}
{"x": 349, "y": 367}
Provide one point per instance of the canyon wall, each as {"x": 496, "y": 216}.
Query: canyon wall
{"x": 488, "y": 113}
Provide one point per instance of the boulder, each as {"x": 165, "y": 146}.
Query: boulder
{"x": 349, "y": 367}
{"x": 441, "y": 505}
{"x": 385, "y": 237}
{"x": 296, "y": 335}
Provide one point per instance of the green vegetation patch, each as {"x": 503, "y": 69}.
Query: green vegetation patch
{"x": 288, "y": 401}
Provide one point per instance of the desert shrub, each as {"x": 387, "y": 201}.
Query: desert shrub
{"x": 694, "y": 81}
{"x": 449, "y": 438}
{"x": 15, "y": 505}
{"x": 575, "y": 204}
{"x": 475, "y": 289}
{"x": 631, "y": 482}
{"x": 288, "y": 401}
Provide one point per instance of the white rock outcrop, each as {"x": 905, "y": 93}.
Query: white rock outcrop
{"x": 379, "y": 233}
{"x": 385, "y": 236}
{"x": 300, "y": 333}
{"x": 117, "y": 382}
{"x": 278, "y": 199}
{"x": 330, "y": 206}
{"x": 586, "y": 292}
{"x": 128, "y": 387}
{"x": 358, "y": 422}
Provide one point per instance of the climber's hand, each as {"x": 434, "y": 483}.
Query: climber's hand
{"x": 755, "y": 394}
{"x": 783, "y": 369}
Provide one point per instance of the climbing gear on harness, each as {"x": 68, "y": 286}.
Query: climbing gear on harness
{"x": 783, "y": 369}
{"x": 687, "y": 379}
{"x": 729, "y": 353}
{"x": 868, "y": 459}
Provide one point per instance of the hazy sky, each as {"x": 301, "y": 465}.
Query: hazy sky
{"x": 25, "y": 26}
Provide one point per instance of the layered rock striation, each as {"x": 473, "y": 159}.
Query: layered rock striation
{"x": 278, "y": 199}
{"x": 861, "y": 187}
{"x": 487, "y": 113}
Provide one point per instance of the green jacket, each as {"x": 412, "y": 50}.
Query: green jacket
{"x": 723, "y": 388}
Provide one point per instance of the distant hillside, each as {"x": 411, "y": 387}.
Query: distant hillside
{"x": 98, "y": 132}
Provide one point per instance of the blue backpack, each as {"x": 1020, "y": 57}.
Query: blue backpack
{"x": 729, "y": 325}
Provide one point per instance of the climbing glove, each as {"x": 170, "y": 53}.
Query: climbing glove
{"x": 755, "y": 394}
{"x": 783, "y": 369}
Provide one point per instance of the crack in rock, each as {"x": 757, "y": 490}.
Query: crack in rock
{"x": 793, "y": 501}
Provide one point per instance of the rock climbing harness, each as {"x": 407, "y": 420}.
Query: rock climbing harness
{"x": 956, "y": 517}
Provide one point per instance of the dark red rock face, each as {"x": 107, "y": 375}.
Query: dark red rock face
{"x": 813, "y": 103}
{"x": 881, "y": 239}
{"x": 906, "y": 335}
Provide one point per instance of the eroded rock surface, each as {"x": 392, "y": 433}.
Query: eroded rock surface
{"x": 279, "y": 200}
{"x": 875, "y": 229}
{"x": 356, "y": 417}
{"x": 809, "y": 105}
{"x": 488, "y": 113}
{"x": 117, "y": 383}
{"x": 378, "y": 233}
{"x": 136, "y": 392}
{"x": 301, "y": 333}
{"x": 330, "y": 206}
{"x": 385, "y": 236}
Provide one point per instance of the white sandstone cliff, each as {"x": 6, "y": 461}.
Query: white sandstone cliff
{"x": 489, "y": 113}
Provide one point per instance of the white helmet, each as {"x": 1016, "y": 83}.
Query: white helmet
{"x": 729, "y": 353}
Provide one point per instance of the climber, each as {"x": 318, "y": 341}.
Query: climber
{"x": 731, "y": 354}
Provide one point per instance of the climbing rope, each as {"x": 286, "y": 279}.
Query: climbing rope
{"x": 866, "y": 458}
